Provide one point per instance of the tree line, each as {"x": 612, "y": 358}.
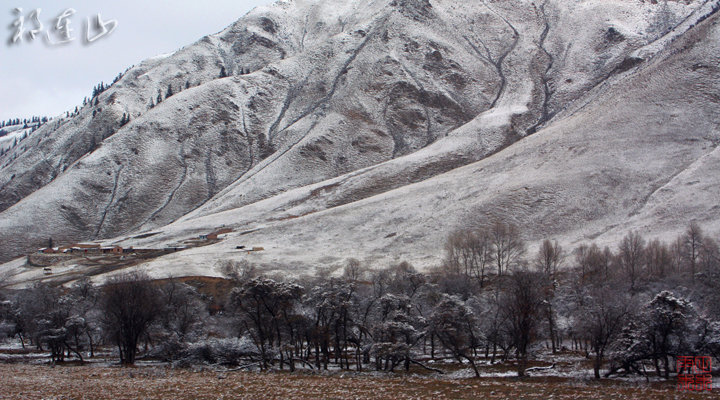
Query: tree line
{"x": 25, "y": 122}
{"x": 629, "y": 309}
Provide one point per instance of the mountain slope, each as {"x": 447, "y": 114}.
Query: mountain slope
{"x": 387, "y": 96}
{"x": 621, "y": 162}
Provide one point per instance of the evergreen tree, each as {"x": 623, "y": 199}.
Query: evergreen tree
{"x": 223, "y": 73}
{"x": 169, "y": 91}
{"x": 125, "y": 119}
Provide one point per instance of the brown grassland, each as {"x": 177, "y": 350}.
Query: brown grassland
{"x": 23, "y": 381}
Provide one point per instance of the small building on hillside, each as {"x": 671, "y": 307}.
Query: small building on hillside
{"x": 85, "y": 248}
{"x": 112, "y": 250}
{"x": 253, "y": 249}
{"x": 174, "y": 249}
{"x": 214, "y": 235}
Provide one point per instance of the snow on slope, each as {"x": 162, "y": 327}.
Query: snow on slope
{"x": 620, "y": 163}
{"x": 12, "y": 135}
{"x": 340, "y": 119}
{"x": 510, "y": 31}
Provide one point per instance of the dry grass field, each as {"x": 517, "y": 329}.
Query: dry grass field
{"x": 23, "y": 381}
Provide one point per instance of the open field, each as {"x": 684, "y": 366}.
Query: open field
{"x": 22, "y": 381}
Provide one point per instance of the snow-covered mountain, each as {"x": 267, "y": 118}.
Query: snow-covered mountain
{"x": 322, "y": 130}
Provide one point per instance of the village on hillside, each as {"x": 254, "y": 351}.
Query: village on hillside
{"x": 66, "y": 262}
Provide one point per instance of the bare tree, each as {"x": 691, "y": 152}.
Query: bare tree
{"x": 549, "y": 257}
{"x": 86, "y": 315}
{"x": 450, "y": 282}
{"x": 658, "y": 258}
{"x": 494, "y": 322}
{"x": 606, "y": 262}
{"x": 676, "y": 255}
{"x": 130, "y": 303}
{"x": 31, "y": 307}
{"x": 522, "y": 304}
{"x": 691, "y": 247}
{"x": 709, "y": 255}
{"x": 582, "y": 261}
{"x": 507, "y": 246}
{"x": 631, "y": 254}
{"x": 405, "y": 280}
{"x": 353, "y": 270}
{"x": 593, "y": 263}
{"x": 182, "y": 310}
{"x": 468, "y": 252}
{"x": 601, "y": 321}
{"x": 238, "y": 271}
